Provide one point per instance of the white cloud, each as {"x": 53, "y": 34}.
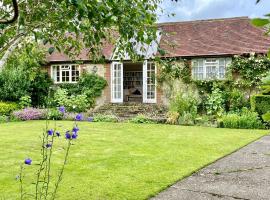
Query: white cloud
{"x": 206, "y": 9}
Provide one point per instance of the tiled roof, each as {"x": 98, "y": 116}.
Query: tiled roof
{"x": 229, "y": 36}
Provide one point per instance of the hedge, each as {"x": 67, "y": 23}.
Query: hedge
{"x": 260, "y": 103}
{"x": 7, "y": 107}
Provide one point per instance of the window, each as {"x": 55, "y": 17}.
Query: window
{"x": 65, "y": 73}
{"x": 209, "y": 68}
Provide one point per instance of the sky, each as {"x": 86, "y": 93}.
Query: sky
{"x": 186, "y": 10}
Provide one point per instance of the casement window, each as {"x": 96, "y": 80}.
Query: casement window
{"x": 210, "y": 68}
{"x": 66, "y": 73}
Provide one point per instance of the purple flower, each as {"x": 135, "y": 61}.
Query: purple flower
{"x": 74, "y": 136}
{"x": 27, "y": 161}
{"x": 50, "y": 132}
{"x": 75, "y": 129}
{"x": 57, "y": 134}
{"x": 48, "y": 145}
{"x": 68, "y": 136}
{"x": 79, "y": 117}
{"x": 62, "y": 109}
{"x": 90, "y": 119}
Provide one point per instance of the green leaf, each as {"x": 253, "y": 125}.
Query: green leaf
{"x": 268, "y": 54}
{"x": 260, "y": 22}
{"x": 51, "y": 50}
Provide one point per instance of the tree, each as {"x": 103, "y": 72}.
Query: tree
{"x": 72, "y": 25}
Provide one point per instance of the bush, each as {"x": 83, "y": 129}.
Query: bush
{"x": 215, "y": 102}
{"x": 90, "y": 85}
{"x": 25, "y": 102}
{"x": 236, "y": 100}
{"x": 3, "y": 119}
{"x": 245, "y": 120}
{"x": 30, "y": 114}
{"x": 260, "y": 104}
{"x": 73, "y": 103}
{"x": 105, "y": 118}
{"x": 184, "y": 103}
{"x": 142, "y": 119}
{"x": 55, "y": 114}
{"x": 186, "y": 119}
{"x": 172, "y": 117}
{"x": 7, "y": 107}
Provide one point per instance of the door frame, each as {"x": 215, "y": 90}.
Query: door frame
{"x": 145, "y": 99}
{"x": 116, "y": 100}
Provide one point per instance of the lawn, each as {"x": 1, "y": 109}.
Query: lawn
{"x": 117, "y": 160}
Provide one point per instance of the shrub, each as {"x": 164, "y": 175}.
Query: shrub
{"x": 236, "y": 100}
{"x": 90, "y": 85}
{"x": 184, "y": 103}
{"x": 105, "y": 118}
{"x": 172, "y": 117}
{"x": 55, "y": 114}
{"x": 186, "y": 119}
{"x": 25, "y": 101}
{"x": 215, "y": 102}
{"x": 30, "y": 114}
{"x": 73, "y": 103}
{"x": 7, "y": 107}
{"x": 3, "y": 119}
{"x": 245, "y": 120}
{"x": 260, "y": 103}
{"x": 142, "y": 119}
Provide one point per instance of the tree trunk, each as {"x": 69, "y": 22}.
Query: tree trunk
{"x": 9, "y": 51}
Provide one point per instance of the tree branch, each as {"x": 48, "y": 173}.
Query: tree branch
{"x": 15, "y": 16}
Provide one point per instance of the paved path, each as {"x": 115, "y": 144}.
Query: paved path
{"x": 243, "y": 175}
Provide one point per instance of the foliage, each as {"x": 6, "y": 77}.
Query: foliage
{"x": 236, "y": 100}
{"x": 30, "y": 114}
{"x": 184, "y": 103}
{"x": 244, "y": 120}
{"x": 55, "y": 114}
{"x": 186, "y": 119}
{"x": 266, "y": 84}
{"x": 25, "y": 101}
{"x": 7, "y": 107}
{"x": 3, "y": 119}
{"x": 89, "y": 24}
{"x": 105, "y": 118}
{"x": 260, "y": 103}
{"x": 266, "y": 117}
{"x": 22, "y": 76}
{"x": 90, "y": 85}
{"x": 215, "y": 102}
{"x": 251, "y": 70}
{"x": 142, "y": 119}
{"x": 172, "y": 117}
{"x": 73, "y": 103}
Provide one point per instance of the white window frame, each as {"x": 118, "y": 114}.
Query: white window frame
{"x": 145, "y": 84}
{"x": 208, "y": 63}
{"x": 54, "y": 76}
{"x": 115, "y": 99}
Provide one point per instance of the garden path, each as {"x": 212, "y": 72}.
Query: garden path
{"x": 243, "y": 175}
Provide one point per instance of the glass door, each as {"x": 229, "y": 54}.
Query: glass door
{"x": 149, "y": 82}
{"x": 117, "y": 82}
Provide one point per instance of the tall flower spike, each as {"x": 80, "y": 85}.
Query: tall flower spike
{"x": 75, "y": 129}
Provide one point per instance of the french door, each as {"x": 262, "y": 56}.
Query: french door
{"x": 117, "y": 82}
{"x": 149, "y": 82}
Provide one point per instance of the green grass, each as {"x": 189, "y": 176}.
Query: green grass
{"x": 117, "y": 160}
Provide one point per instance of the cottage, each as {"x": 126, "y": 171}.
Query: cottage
{"x": 208, "y": 45}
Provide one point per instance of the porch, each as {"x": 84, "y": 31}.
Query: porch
{"x": 133, "y": 82}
